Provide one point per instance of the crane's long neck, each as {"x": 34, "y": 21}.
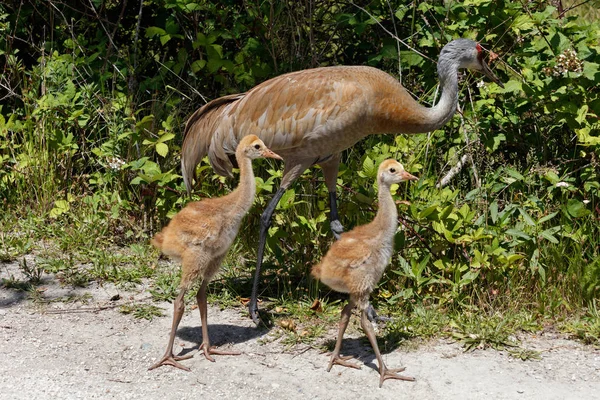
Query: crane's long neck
{"x": 443, "y": 111}
{"x": 397, "y": 112}
{"x": 243, "y": 195}
{"x": 386, "y": 219}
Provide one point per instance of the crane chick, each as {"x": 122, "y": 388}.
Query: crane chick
{"x": 200, "y": 235}
{"x": 355, "y": 263}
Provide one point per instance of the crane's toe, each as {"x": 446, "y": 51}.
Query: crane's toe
{"x": 209, "y": 351}
{"x": 336, "y": 228}
{"x": 170, "y": 359}
{"x": 393, "y": 374}
{"x": 253, "y": 310}
{"x": 342, "y": 360}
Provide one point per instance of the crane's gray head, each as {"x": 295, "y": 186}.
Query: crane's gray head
{"x": 391, "y": 171}
{"x": 466, "y": 53}
{"x": 252, "y": 147}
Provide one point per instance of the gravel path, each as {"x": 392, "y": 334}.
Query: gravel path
{"x": 62, "y": 350}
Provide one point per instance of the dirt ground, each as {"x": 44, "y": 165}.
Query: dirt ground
{"x": 72, "y": 350}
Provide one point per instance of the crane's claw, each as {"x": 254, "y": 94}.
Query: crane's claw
{"x": 170, "y": 359}
{"x": 342, "y": 360}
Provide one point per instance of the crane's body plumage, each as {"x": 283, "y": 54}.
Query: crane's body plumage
{"x": 305, "y": 116}
{"x": 309, "y": 117}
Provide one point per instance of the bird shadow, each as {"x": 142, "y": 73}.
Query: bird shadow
{"x": 220, "y": 334}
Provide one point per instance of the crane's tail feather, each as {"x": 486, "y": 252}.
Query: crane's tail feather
{"x": 198, "y": 136}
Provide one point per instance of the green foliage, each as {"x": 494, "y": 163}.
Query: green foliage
{"x": 92, "y": 115}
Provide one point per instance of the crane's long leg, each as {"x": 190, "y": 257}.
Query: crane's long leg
{"x": 265, "y": 222}
{"x": 384, "y": 372}
{"x": 169, "y": 358}
{"x": 330, "y": 169}
{"x": 335, "y": 356}
{"x": 201, "y": 299}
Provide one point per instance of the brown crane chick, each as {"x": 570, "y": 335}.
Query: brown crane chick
{"x": 355, "y": 263}
{"x": 200, "y": 235}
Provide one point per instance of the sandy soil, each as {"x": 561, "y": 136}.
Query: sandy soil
{"x": 72, "y": 350}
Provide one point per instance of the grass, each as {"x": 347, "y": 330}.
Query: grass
{"x": 142, "y": 310}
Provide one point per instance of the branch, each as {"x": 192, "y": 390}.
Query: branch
{"x": 391, "y": 34}
{"x": 453, "y": 171}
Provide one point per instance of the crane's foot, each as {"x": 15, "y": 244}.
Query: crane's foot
{"x": 253, "y": 310}
{"x": 339, "y": 360}
{"x": 336, "y": 228}
{"x": 373, "y": 317}
{"x": 170, "y": 359}
{"x": 386, "y": 373}
{"x": 208, "y": 351}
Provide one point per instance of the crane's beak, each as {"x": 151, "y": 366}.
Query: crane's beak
{"x": 488, "y": 72}
{"x": 408, "y": 177}
{"x": 269, "y": 154}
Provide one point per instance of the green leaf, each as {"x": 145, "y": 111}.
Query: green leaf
{"x": 494, "y": 211}
{"x": 426, "y": 212}
{"x": 287, "y": 200}
{"x": 522, "y": 22}
{"x": 198, "y": 65}
{"x": 164, "y": 39}
{"x": 518, "y": 233}
{"x": 162, "y": 149}
{"x": 547, "y": 218}
{"x": 515, "y": 174}
{"x": 60, "y": 207}
{"x": 368, "y": 168}
{"x": 547, "y": 234}
{"x": 576, "y": 208}
{"x": 590, "y": 71}
{"x": 512, "y": 86}
{"x": 166, "y": 137}
{"x": 154, "y": 30}
{"x": 526, "y": 217}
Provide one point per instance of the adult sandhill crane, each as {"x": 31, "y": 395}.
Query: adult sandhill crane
{"x": 310, "y": 116}
{"x": 200, "y": 235}
{"x": 355, "y": 263}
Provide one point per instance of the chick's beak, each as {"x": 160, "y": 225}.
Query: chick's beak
{"x": 408, "y": 177}
{"x": 269, "y": 154}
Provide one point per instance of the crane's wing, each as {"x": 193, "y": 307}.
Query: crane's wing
{"x": 198, "y": 133}
{"x": 288, "y": 110}
{"x": 285, "y": 112}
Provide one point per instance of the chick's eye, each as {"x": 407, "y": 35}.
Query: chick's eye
{"x": 392, "y": 170}
{"x": 257, "y": 146}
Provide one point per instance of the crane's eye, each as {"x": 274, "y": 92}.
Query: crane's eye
{"x": 257, "y": 146}
{"x": 392, "y": 170}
